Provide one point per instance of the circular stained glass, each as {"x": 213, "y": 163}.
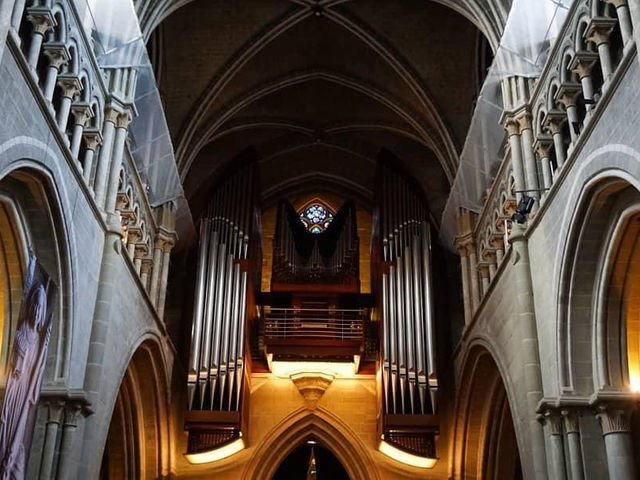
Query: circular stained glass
{"x": 316, "y": 218}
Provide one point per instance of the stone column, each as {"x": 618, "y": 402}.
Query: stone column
{"x": 92, "y": 138}
{"x": 513, "y": 130}
{"x": 553, "y": 423}
{"x": 58, "y": 56}
{"x": 139, "y": 253}
{"x": 42, "y": 22}
{"x": 567, "y": 96}
{"x": 624, "y": 19}
{"x": 598, "y": 32}
{"x": 134, "y": 235}
{"x": 529, "y": 353}
{"x": 616, "y": 430}
{"x": 572, "y": 431}
{"x": 54, "y": 418}
{"x": 483, "y": 270}
{"x": 526, "y": 135}
{"x": 464, "y": 273}
{"x": 70, "y": 86}
{"x": 497, "y": 242}
{"x": 553, "y": 123}
{"x": 109, "y": 277}
{"x": 164, "y": 275}
{"x": 543, "y": 147}
{"x": 146, "y": 265}
{"x": 72, "y": 413}
{"x": 473, "y": 273}
{"x": 122, "y": 128}
{"x": 634, "y": 13}
{"x": 81, "y": 114}
{"x": 155, "y": 274}
{"x": 16, "y": 14}
{"x": 104, "y": 160}
{"x": 582, "y": 64}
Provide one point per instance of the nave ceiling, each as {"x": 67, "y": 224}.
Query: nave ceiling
{"x": 318, "y": 88}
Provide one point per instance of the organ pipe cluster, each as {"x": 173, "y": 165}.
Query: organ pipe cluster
{"x": 302, "y": 257}
{"x": 408, "y": 343}
{"x": 217, "y": 338}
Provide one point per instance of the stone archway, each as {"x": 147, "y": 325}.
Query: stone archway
{"x": 485, "y": 439}
{"x": 138, "y": 440}
{"x": 298, "y": 427}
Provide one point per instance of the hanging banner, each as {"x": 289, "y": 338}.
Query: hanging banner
{"x": 25, "y": 370}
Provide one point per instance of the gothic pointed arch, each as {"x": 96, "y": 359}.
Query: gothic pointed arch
{"x": 300, "y": 426}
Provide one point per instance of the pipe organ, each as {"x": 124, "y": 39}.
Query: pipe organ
{"x": 302, "y": 257}
{"x": 408, "y": 360}
{"x": 227, "y": 249}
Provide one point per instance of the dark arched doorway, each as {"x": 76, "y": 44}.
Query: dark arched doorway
{"x": 311, "y": 459}
{"x": 485, "y": 445}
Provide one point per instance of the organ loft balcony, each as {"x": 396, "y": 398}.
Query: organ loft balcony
{"x": 315, "y": 310}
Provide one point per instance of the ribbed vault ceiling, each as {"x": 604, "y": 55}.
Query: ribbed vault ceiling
{"x": 317, "y": 88}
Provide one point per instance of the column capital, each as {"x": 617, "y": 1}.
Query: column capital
{"x": 92, "y": 138}
{"x": 599, "y": 30}
{"x": 542, "y": 145}
{"x": 512, "y": 126}
{"x": 141, "y": 249}
{"x": 72, "y": 411}
{"x": 553, "y": 420}
{"x": 82, "y": 112}
{"x": 124, "y": 119}
{"x": 70, "y": 84}
{"x": 616, "y": 3}
{"x": 146, "y": 265}
{"x": 55, "y": 408}
{"x": 42, "y": 19}
{"x": 111, "y": 113}
{"x": 582, "y": 63}
{"x": 554, "y": 121}
{"x": 524, "y": 120}
{"x": 614, "y": 418}
{"x": 57, "y": 53}
{"x": 567, "y": 94}
{"x": 483, "y": 269}
{"x": 571, "y": 420}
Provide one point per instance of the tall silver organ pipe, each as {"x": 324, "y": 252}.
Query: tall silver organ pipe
{"x": 409, "y": 374}
{"x": 216, "y": 360}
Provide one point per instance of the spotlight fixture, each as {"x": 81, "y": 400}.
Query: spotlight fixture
{"x": 524, "y": 208}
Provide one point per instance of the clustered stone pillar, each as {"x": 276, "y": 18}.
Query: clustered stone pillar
{"x": 468, "y": 259}
{"x": 164, "y": 275}
{"x": 122, "y": 128}
{"x": 104, "y": 159}
{"x": 571, "y": 421}
{"x": 616, "y": 430}
{"x": 17, "y": 14}
{"x": 523, "y": 289}
{"x": 464, "y": 273}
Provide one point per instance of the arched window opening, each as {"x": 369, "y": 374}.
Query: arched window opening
{"x": 316, "y": 217}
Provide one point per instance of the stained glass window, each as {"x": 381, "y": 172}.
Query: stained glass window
{"x": 316, "y": 218}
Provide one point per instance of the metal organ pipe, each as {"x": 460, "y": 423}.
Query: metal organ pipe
{"x": 217, "y": 347}
{"x": 408, "y": 357}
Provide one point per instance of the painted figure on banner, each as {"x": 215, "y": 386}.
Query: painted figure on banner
{"x": 25, "y": 371}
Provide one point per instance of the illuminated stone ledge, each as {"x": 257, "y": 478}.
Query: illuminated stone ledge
{"x": 217, "y": 453}
{"x": 406, "y": 458}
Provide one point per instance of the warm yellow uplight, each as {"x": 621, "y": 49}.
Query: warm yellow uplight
{"x": 335, "y": 369}
{"x": 634, "y": 382}
{"x": 217, "y": 453}
{"x": 406, "y": 458}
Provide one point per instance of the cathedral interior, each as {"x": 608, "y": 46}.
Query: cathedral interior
{"x": 320, "y": 239}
